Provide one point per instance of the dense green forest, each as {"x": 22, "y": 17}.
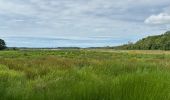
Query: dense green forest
{"x": 158, "y": 42}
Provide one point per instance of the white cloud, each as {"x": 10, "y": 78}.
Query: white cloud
{"x": 162, "y": 18}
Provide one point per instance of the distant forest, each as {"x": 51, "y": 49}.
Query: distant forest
{"x": 158, "y": 42}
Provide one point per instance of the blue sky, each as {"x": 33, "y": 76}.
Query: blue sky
{"x": 123, "y": 20}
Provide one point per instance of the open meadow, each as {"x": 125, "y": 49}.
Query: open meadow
{"x": 84, "y": 75}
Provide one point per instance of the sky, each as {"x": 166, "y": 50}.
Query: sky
{"x": 84, "y": 23}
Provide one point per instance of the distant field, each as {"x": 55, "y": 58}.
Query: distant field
{"x": 91, "y": 74}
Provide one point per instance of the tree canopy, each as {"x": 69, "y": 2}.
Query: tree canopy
{"x": 2, "y": 44}
{"x": 158, "y": 42}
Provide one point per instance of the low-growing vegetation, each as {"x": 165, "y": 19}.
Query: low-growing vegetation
{"x": 84, "y": 75}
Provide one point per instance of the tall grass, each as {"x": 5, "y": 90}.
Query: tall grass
{"x": 84, "y": 75}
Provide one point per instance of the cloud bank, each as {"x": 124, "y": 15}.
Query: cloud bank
{"x": 83, "y": 18}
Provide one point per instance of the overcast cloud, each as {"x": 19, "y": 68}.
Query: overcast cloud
{"x": 118, "y": 19}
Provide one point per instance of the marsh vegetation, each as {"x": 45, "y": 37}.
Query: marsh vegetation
{"x": 84, "y": 75}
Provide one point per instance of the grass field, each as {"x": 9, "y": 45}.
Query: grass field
{"x": 84, "y": 75}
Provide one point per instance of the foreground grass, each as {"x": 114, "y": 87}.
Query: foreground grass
{"x": 84, "y": 75}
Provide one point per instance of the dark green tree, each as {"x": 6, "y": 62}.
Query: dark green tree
{"x": 2, "y": 44}
{"x": 167, "y": 46}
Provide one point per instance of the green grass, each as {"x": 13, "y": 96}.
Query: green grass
{"x": 84, "y": 75}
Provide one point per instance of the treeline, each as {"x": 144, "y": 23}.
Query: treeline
{"x": 159, "y": 42}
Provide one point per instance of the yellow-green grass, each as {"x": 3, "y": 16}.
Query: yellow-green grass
{"x": 84, "y": 75}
